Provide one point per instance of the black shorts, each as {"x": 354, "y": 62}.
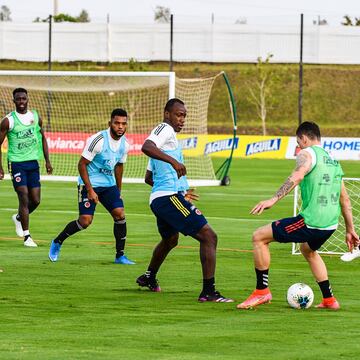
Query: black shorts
{"x": 25, "y": 173}
{"x": 174, "y": 214}
{"x": 108, "y": 196}
{"x": 294, "y": 230}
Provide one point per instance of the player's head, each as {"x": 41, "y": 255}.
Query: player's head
{"x": 118, "y": 123}
{"x": 20, "y": 98}
{"x": 175, "y": 113}
{"x": 307, "y": 134}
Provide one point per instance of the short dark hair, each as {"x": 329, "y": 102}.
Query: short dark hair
{"x": 118, "y": 112}
{"x": 171, "y": 103}
{"x": 18, "y": 90}
{"x": 310, "y": 129}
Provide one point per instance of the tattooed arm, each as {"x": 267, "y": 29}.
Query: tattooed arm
{"x": 303, "y": 166}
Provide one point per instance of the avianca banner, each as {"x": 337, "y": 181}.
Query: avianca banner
{"x": 73, "y": 143}
{"x": 339, "y": 148}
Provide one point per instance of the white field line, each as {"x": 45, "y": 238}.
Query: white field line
{"x": 134, "y": 214}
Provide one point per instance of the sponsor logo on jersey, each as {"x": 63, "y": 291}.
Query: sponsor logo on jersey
{"x": 188, "y": 143}
{"x": 221, "y": 145}
{"x": 263, "y": 146}
{"x": 25, "y": 133}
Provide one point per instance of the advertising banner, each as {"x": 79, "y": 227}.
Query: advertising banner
{"x": 244, "y": 146}
{"x": 339, "y": 148}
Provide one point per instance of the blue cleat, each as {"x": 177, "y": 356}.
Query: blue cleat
{"x": 54, "y": 251}
{"x": 123, "y": 260}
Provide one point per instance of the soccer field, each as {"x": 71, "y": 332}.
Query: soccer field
{"x": 86, "y": 307}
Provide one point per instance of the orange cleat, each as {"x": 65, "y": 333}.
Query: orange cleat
{"x": 329, "y": 303}
{"x": 258, "y": 297}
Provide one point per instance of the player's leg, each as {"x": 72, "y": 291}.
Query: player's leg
{"x": 27, "y": 185}
{"x": 120, "y": 232}
{"x": 208, "y": 242}
{"x": 320, "y": 273}
{"x": 86, "y": 214}
{"x": 113, "y": 203}
{"x": 162, "y": 249}
{"x": 261, "y": 239}
{"x": 34, "y": 198}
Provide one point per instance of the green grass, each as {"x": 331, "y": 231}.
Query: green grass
{"x": 86, "y": 307}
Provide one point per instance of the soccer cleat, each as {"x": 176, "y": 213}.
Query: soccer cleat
{"x": 145, "y": 281}
{"x": 350, "y": 256}
{"x": 18, "y": 227}
{"x": 214, "y": 297}
{"x": 54, "y": 251}
{"x": 29, "y": 242}
{"x": 258, "y": 297}
{"x": 124, "y": 260}
{"x": 329, "y": 303}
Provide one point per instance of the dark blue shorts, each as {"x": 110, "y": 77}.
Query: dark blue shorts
{"x": 174, "y": 214}
{"x": 108, "y": 196}
{"x": 25, "y": 173}
{"x": 294, "y": 230}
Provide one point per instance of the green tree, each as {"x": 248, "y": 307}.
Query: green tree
{"x": 83, "y": 17}
{"x": 162, "y": 14}
{"x": 260, "y": 89}
{"x": 5, "y": 13}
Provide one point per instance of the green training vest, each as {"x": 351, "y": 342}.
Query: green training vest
{"x": 24, "y": 141}
{"x": 320, "y": 191}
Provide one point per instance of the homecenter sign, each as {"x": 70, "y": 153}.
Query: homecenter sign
{"x": 339, "y": 148}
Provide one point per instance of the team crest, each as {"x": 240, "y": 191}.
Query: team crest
{"x": 87, "y": 204}
{"x": 18, "y": 179}
{"x": 198, "y": 212}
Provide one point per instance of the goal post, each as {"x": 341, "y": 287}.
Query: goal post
{"x": 74, "y": 105}
{"x": 336, "y": 243}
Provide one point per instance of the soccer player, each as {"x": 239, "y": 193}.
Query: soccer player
{"x": 173, "y": 212}
{"x": 101, "y": 171}
{"x": 323, "y": 195}
{"x": 26, "y": 145}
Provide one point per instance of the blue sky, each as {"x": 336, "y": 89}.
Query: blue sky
{"x": 255, "y": 11}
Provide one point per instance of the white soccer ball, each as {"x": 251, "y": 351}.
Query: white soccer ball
{"x": 300, "y": 296}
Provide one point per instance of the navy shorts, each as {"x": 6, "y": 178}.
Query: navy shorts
{"x": 294, "y": 230}
{"x": 108, "y": 196}
{"x": 25, "y": 173}
{"x": 174, "y": 214}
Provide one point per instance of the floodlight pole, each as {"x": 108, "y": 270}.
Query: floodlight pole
{"x": 300, "y": 103}
{"x": 171, "y": 40}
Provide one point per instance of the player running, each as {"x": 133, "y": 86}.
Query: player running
{"x": 26, "y": 145}
{"x": 323, "y": 194}
{"x": 173, "y": 212}
{"x": 100, "y": 180}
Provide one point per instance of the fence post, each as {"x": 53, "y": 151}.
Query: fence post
{"x": 171, "y": 40}
{"x": 301, "y": 68}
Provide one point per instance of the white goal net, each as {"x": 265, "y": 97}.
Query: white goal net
{"x": 336, "y": 243}
{"x": 75, "y": 105}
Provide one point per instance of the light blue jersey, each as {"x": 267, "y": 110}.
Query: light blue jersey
{"x": 165, "y": 177}
{"x": 101, "y": 168}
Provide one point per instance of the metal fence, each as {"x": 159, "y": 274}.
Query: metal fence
{"x": 210, "y": 42}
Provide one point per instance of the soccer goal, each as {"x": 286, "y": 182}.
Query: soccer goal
{"x": 74, "y": 105}
{"x": 336, "y": 244}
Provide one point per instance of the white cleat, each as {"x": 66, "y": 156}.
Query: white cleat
{"x": 350, "y": 256}
{"x": 18, "y": 227}
{"x": 30, "y": 242}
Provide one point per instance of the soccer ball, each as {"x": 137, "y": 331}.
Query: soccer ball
{"x": 300, "y": 296}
